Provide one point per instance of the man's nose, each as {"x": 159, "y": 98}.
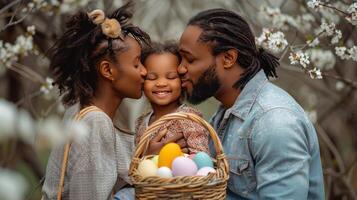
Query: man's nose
{"x": 182, "y": 69}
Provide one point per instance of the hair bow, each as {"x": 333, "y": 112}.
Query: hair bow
{"x": 110, "y": 27}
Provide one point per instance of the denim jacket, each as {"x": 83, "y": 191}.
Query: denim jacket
{"x": 271, "y": 146}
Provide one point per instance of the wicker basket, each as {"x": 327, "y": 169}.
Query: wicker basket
{"x": 212, "y": 186}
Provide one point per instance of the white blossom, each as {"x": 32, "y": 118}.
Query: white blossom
{"x": 342, "y": 53}
{"x": 12, "y": 185}
{"x": 299, "y": 58}
{"x": 312, "y": 115}
{"x": 277, "y": 42}
{"x": 31, "y": 5}
{"x": 274, "y": 42}
{"x": 31, "y": 30}
{"x": 339, "y": 85}
{"x": 51, "y": 132}
{"x": 352, "y": 11}
{"x": 68, "y": 6}
{"x": 302, "y": 22}
{"x": 272, "y": 16}
{"x": 322, "y": 59}
{"x": 47, "y": 86}
{"x": 325, "y": 12}
{"x": 2, "y": 57}
{"x": 15, "y": 123}
{"x": 7, "y": 119}
{"x": 345, "y": 54}
{"x": 35, "y": 5}
{"x": 353, "y": 53}
{"x": 315, "y": 4}
{"x": 54, "y": 2}
{"x": 54, "y": 131}
{"x": 336, "y": 37}
{"x": 22, "y": 45}
{"x": 263, "y": 38}
{"x": 77, "y": 131}
{"x": 25, "y": 126}
{"x": 329, "y": 15}
{"x": 329, "y": 29}
{"x": 314, "y": 42}
{"x": 315, "y": 73}
{"x": 10, "y": 53}
{"x": 60, "y": 108}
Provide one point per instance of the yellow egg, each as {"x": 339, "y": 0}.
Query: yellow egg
{"x": 168, "y": 153}
{"x": 147, "y": 168}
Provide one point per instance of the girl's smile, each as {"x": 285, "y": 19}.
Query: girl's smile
{"x": 162, "y": 85}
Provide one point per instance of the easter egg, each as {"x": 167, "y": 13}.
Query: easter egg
{"x": 202, "y": 159}
{"x": 205, "y": 170}
{"x": 191, "y": 156}
{"x": 155, "y": 159}
{"x": 168, "y": 153}
{"x": 164, "y": 172}
{"x": 147, "y": 168}
{"x": 182, "y": 166}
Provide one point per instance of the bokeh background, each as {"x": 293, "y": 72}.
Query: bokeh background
{"x": 315, "y": 41}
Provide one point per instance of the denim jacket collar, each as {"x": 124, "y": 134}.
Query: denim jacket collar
{"x": 247, "y": 97}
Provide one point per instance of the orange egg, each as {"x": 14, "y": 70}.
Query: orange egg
{"x": 168, "y": 153}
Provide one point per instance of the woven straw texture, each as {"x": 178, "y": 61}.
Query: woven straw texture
{"x": 212, "y": 186}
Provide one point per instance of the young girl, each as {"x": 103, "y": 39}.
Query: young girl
{"x": 96, "y": 63}
{"x": 162, "y": 87}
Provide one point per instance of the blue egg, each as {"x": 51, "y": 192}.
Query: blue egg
{"x": 202, "y": 159}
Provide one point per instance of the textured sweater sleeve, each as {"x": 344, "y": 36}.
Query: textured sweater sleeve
{"x": 93, "y": 170}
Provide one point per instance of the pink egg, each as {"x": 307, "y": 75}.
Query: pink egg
{"x": 182, "y": 166}
{"x": 205, "y": 170}
{"x": 191, "y": 156}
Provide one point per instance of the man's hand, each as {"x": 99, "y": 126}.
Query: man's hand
{"x": 158, "y": 142}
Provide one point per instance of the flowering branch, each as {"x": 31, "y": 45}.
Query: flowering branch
{"x": 334, "y": 8}
{"x": 8, "y": 6}
{"x": 349, "y": 82}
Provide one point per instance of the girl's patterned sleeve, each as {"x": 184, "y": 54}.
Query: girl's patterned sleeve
{"x": 196, "y": 135}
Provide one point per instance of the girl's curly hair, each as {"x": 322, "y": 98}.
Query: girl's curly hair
{"x": 160, "y": 48}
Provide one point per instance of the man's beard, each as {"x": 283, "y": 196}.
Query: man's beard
{"x": 206, "y": 86}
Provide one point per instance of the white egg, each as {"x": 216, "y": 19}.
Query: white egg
{"x": 147, "y": 168}
{"x": 164, "y": 172}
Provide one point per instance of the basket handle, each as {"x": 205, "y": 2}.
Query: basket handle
{"x": 67, "y": 148}
{"x": 144, "y": 141}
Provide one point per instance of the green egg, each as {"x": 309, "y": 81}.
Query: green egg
{"x": 202, "y": 159}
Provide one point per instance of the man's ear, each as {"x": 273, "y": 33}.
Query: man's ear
{"x": 105, "y": 70}
{"x": 229, "y": 58}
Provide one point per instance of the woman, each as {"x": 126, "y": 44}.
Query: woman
{"x": 96, "y": 63}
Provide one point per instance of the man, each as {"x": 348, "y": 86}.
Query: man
{"x": 270, "y": 143}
